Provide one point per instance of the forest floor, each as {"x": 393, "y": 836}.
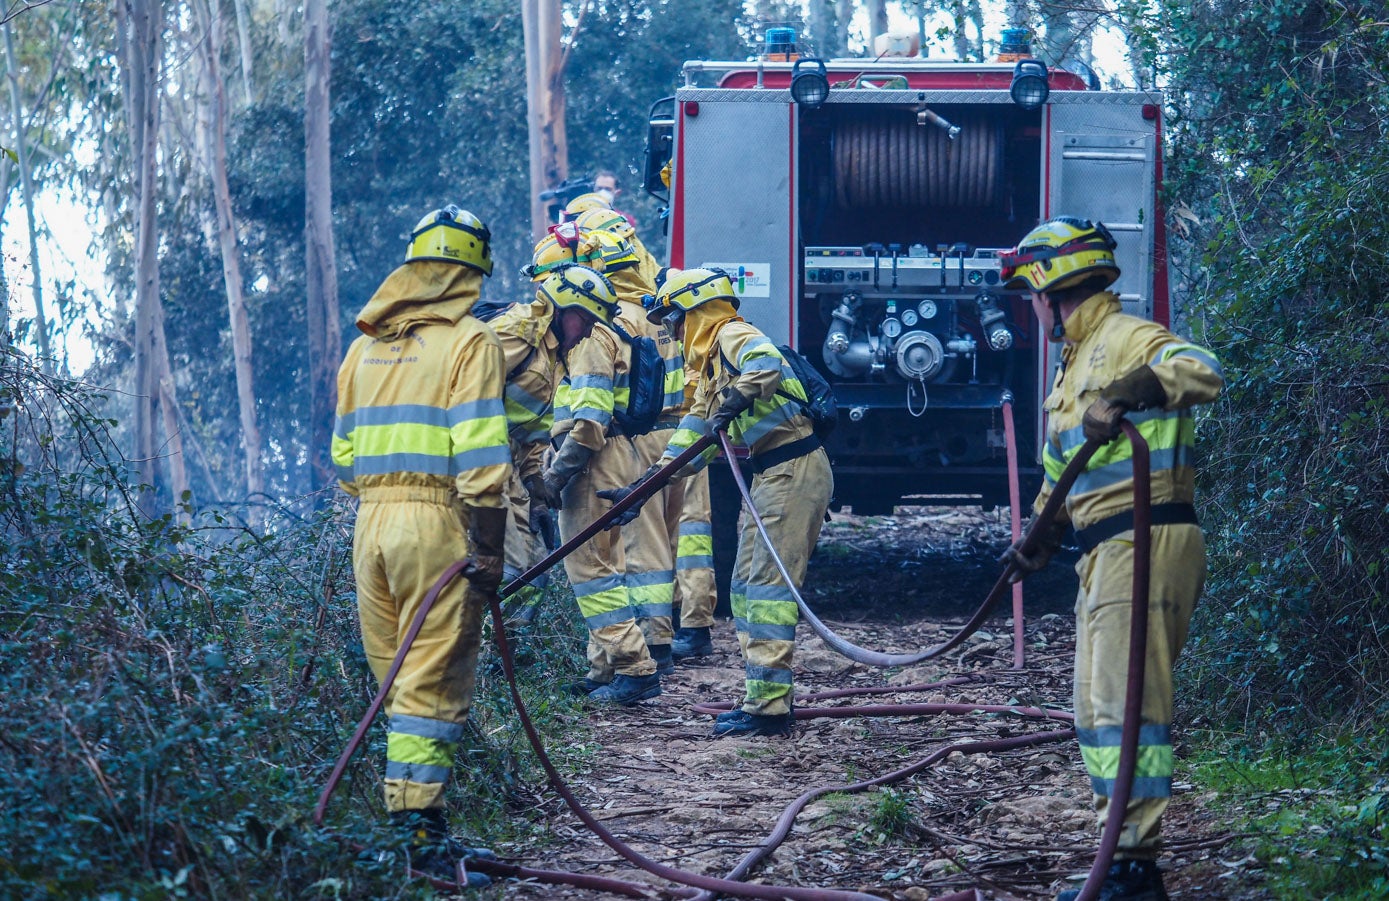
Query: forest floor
{"x": 1015, "y": 824}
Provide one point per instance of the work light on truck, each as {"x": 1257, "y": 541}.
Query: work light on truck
{"x": 1029, "y": 89}
{"x": 809, "y": 87}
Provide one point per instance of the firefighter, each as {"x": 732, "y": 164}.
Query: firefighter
{"x": 529, "y": 348}
{"x": 652, "y": 532}
{"x": 591, "y": 457}
{"x": 421, "y": 440}
{"x": 687, "y": 514}
{"x": 748, "y": 388}
{"x": 1116, "y": 366}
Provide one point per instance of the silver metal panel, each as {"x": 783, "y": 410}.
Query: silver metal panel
{"x": 1100, "y": 164}
{"x": 740, "y": 207}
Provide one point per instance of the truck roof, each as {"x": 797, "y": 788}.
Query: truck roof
{"x": 919, "y": 73}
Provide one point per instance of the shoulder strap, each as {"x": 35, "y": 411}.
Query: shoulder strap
{"x": 521, "y": 366}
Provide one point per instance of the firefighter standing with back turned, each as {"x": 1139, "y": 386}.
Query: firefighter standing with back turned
{"x": 748, "y": 388}
{"x": 1115, "y": 366}
{"x": 421, "y": 440}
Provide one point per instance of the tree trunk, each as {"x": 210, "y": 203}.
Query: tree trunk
{"x": 877, "y": 21}
{"x": 823, "y": 26}
{"x": 325, "y": 331}
{"x": 243, "y": 40}
{"x": 26, "y": 187}
{"x": 139, "y": 37}
{"x": 549, "y": 144}
{"x": 216, "y": 141}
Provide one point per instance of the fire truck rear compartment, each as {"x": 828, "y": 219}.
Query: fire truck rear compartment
{"x": 901, "y": 305}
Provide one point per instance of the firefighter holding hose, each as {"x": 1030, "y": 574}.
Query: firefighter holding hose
{"x": 593, "y": 455}
{"x": 421, "y": 440}
{"x": 748, "y": 388}
{"x": 1113, "y": 367}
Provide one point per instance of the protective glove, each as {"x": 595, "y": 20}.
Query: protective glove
{"x": 1024, "y": 565}
{"x": 734, "y": 402}
{"x": 487, "y": 532}
{"x": 539, "y": 518}
{"x": 1139, "y": 390}
{"x": 617, "y": 495}
{"x": 569, "y": 460}
{"x": 540, "y": 493}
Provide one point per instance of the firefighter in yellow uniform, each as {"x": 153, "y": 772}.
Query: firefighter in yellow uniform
{"x": 529, "y": 348}
{"x": 649, "y": 542}
{"x": 748, "y": 388}
{"x": 421, "y": 440}
{"x": 686, "y": 502}
{"x": 1116, "y": 366}
{"x": 592, "y": 456}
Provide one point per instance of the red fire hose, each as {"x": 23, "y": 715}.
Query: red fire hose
{"x": 710, "y": 886}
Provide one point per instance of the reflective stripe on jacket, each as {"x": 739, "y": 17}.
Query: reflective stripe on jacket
{"x": 747, "y": 360}
{"x": 1102, "y": 345}
{"x": 420, "y": 404}
{"x": 593, "y": 386}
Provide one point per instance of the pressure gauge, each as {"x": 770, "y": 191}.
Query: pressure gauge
{"x": 909, "y": 317}
{"x": 891, "y": 328}
{"x": 927, "y": 309}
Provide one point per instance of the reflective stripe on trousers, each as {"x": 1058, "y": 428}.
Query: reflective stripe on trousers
{"x": 1103, "y": 609}
{"x": 399, "y": 550}
{"x": 597, "y": 568}
{"x": 792, "y": 498}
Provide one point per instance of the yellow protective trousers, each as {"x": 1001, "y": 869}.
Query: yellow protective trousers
{"x": 597, "y": 569}
{"x": 523, "y": 548}
{"x": 1103, "y": 610}
{"x": 791, "y": 498}
{"x": 648, "y": 547}
{"x": 405, "y": 538}
{"x": 695, "y": 592}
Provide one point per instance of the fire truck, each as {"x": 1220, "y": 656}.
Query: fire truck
{"x": 861, "y": 206}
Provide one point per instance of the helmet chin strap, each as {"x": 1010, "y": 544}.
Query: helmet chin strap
{"x": 1058, "y": 327}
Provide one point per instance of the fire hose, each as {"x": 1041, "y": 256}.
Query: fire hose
{"x": 711, "y": 887}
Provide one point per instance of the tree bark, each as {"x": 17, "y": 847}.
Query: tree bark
{"x": 877, "y": 20}
{"x": 26, "y": 188}
{"x": 545, "y": 100}
{"x": 216, "y": 142}
{"x": 325, "y": 330}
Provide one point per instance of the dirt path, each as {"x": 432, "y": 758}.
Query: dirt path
{"x": 1015, "y": 824}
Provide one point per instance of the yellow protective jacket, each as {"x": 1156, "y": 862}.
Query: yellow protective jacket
{"x": 530, "y": 350}
{"x": 745, "y": 359}
{"x": 630, "y": 284}
{"x": 1101, "y": 345}
{"x": 420, "y": 393}
{"x": 594, "y": 385}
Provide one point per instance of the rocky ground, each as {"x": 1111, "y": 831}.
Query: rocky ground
{"x": 1013, "y": 825}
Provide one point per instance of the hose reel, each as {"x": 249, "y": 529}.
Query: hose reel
{"x": 884, "y": 162}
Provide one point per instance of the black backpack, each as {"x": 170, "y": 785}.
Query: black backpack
{"x": 646, "y": 382}
{"x": 820, "y": 406}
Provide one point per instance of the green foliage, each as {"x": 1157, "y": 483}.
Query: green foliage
{"x": 1282, "y": 112}
{"x": 1318, "y": 814}
{"x": 176, "y": 694}
{"x": 891, "y": 816}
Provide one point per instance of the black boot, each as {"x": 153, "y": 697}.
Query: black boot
{"x": 665, "y": 664}
{"x": 741, "y": 724}
{"x": 1127, "y": 880}
{"x": 692, "y": 642}
{"x": 583, "y": 687}
{"x": 627, "y": 690}
{"x": 435, "y": 852}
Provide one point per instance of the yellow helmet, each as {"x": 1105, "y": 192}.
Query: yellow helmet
{"x": 605, "y": 220}
{"x": 453, "y": 235}
{"x": 579, "y": 287}
{"x": 617, "y": 253}
{"x": 593, "y": 200}
{"x": 685, "y": 289}
{"x": 563, "y": 245}
{"x": 1059, "y": 253}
